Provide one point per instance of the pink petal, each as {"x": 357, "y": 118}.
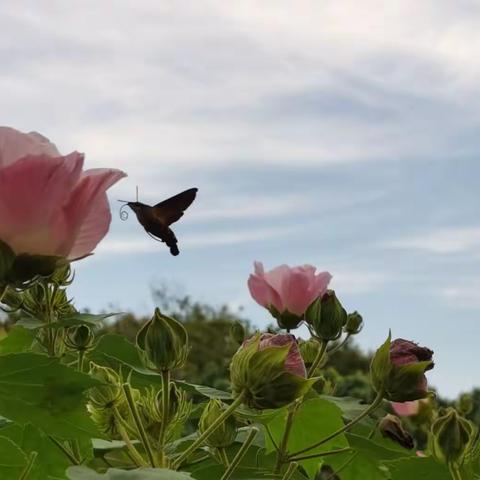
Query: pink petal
{"x": 277, "y": 277}
{"x": 294, "y": 361}
{"x": 321, "y": 283}
{"x": 87, "y": 200}
{"x": 258, "y": 268}
{"x": 406, "y": 409}
{"x": 15, "y": 145}
{"x": 32, "y": 193}
{"x": 296, "y": 293}
{"x": 263, "y": 293}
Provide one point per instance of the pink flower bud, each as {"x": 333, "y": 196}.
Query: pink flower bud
{"x": 406, "y": 409}
{"x": 48, "y": 204}
{"x": 287, "y": 291}
{"x": 294, "y": 362}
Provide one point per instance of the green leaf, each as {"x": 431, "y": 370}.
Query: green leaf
{"x": 418, "y": 469}
{"x": 205, "y": 391}
{"x": 12, "y": 459}
{"x": 89, "y": 319}
{"x": 315, "y": 419}
{"x": 19, "y": 339}
{"x": 84, "y": 473}
{"x": 381, "y": 365}
{"x": 356, "y": 465}
{"x": 374, "y": 450}
{"x": 39, "y": 390}
{"x": 50, "y": 463}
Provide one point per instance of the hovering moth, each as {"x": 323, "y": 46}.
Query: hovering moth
{"x": 156, "y": 220}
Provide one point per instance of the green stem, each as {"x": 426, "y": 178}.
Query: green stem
{"x": 134, "y": 453}
{"x": 321, "y": 454}
{"x": 455, "y": 472}
{"x": 240, "y": 454}
{"x": 138, "y": 423}
{"x": 292, "y": 468}
{"x": 270, "y": 436}
{"x": 165, "y": 416}
{"x": 75, "y": 448}
{"x": 81, "y": 359}
{"x": 376, "y": 403}
{"x": 318, "y": 358}
{"x": 336, "y": 348}
{"x": 29, "y": 466}
{"x": 282, "y": 450}
{"x": 223, "y": 456}
{"x": 201, "y": 438}
{"x": 65, "y": 450}
{"x": 3, "y": 291}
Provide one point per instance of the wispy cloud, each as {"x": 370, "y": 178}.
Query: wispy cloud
{"x": 443, "y": 241}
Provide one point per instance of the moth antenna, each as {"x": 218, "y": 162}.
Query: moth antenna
{"x": 123, "y": 213}
{"x": 137, "y": 193}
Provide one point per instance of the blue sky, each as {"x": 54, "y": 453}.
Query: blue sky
{"x": 340, "y": 134}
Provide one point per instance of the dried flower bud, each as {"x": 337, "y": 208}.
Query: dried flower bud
{"x": 398, "y": 370}
{"x": 163, "y": 342}
{"x": 225, "y": 434}
{"x": 391, "y": 427}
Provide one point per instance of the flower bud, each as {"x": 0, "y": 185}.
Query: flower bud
{"x": 391, "y": 427}
{"x": 225, "y": 434}
{"x": 354, "y": 323}
{"x": 309, "y": 350}
{"x": 237, "y": 332}
{"x": 398, "y": 370}
{"x": 452, "y": 437}
{"x": 327, "y": 316}
{"x": 80, "y": 338}
{"x": 269, "y": 371}
{"x": 465, "y": 404}
{"x": 109, "y": 394}
{"x": 163, "y": 342}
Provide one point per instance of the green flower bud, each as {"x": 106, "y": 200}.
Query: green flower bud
{"x": 237, "y": 332}
{"x": 309, "y": 350}
{"x": 152, "y": 412}
{"x": 109, "y": 394}
{"x": 391, "y": 427}
{"x": 398, "y": 370}
{"x": 326, "y": 316}
{"x": 80, "y": 338}
{"x": 225, "y": 434}
{"x": 269, "y": 371}
{"x": 452, "y": 438}
{"x": 465, "y": 404}
{"x": 163, "y": 342}
{"x": 354, "y": 323}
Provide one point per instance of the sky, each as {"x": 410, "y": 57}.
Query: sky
{"x": 342, "y": 134}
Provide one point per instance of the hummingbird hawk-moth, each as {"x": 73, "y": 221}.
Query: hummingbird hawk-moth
{"x": 156, "y": 220}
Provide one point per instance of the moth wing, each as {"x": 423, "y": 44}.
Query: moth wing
{"x": 171, "y": 209}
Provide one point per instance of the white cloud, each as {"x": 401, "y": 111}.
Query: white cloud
{"x": 444, "y": 241}
{"x": 463, "y": 294}
{"x": 357, "y": 281}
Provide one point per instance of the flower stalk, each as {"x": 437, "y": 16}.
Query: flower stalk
{"x": 201, "y": 438}
{"x": 240, "y": 454}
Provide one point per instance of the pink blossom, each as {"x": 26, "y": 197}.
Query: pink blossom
{"x": 294, "y": 362}
{"x": 48, "y": 204}
{"x": 406, "y": 409}
{"x": 286, "y": 288}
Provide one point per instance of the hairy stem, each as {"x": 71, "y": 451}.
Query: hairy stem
{"x": 282, "y": 450}
{"x": 138, "y": 423}
{"x": 28, "y": 468}
{"x": 133, "y": 452}
{"x": 165, "y": 416}
{"x": 318, "y": 358}
{"x": 223, "y": 456}
{"x": 292, "y": 468}
{"x": 336, "y": 348}
{"x": 320, "y": 454}
{"x": 201, "y": 438}
{"x": 240, "y": 454}
{"x": 65, "y": 450}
